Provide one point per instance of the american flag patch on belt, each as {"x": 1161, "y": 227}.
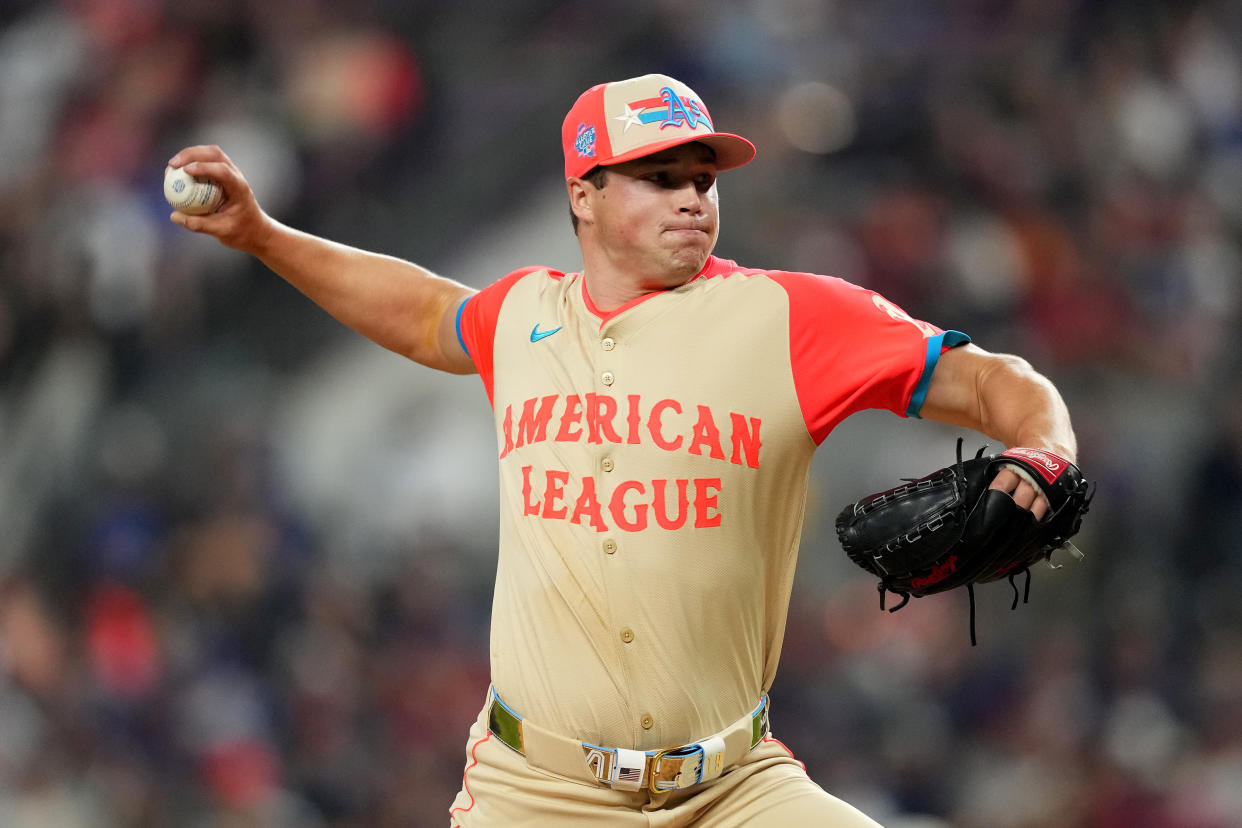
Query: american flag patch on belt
{"x": 625, "y": 774}
{"x": 631, "y": 766}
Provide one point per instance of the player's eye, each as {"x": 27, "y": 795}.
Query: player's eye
{"x": 704, "y": 182}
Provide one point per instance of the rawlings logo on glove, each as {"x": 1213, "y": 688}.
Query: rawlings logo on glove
{"x": 949, "y": 529}
{"x": 1045, "y": 462}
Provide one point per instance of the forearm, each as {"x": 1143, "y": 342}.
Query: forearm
{"x": 395, "y": 303}
{"x": 1021, "y": 407}
{"x": 1001, "y": 396}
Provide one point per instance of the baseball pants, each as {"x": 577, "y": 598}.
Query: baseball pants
{"x": 769, "y": 789}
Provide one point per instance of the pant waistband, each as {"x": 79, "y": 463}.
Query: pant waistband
{"x": 659, "y": 771}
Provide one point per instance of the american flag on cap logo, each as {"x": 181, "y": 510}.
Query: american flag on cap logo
{"x": 670, "y": 110}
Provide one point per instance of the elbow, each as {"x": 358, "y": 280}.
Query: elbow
{"x": 1021, "y": 406}
{"x": 1001, "y": 377}
{"x": 1010, "y": 364}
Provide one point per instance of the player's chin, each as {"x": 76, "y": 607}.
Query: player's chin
{"x": 687, "y": 262}
{"x": 692, "y": 251}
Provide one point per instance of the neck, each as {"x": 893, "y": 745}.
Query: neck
{"x": 610, "y": 287}
{"x": 607, "y": 293}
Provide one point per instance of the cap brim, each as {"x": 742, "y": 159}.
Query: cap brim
{"x": 731, "y": 150}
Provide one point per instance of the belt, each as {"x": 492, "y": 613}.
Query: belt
{"x": 660, "y": 771}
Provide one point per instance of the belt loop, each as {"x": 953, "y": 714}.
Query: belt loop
{"x": 629, "y": 769}
{"x": 506, "y": 724}
{"x": 712, "y": 765}
{"x": 759, "y": 721}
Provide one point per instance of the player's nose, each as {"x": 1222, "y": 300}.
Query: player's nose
{"x": 689, "y": 199}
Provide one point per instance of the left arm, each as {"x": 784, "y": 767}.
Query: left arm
{"x": 1003, "y": 397}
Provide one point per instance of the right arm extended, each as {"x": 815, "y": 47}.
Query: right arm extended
{"x": 397, "y": 304}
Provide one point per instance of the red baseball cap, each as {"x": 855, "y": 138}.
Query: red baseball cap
{"x": 623, "y": 120}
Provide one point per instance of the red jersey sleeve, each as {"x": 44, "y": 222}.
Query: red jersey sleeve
{"x": 476, "y": 323}
{"x": 851, "y": 349}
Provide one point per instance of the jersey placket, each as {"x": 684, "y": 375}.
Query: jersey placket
{"x": 609, "y": 380}
{"x": 621, "y": 369}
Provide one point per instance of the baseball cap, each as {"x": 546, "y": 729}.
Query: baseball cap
{"x": 623, "y": 120}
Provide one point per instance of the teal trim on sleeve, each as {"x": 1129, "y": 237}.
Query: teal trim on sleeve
{"x": 936, "y": 344}
{"x": 460, "y": 310}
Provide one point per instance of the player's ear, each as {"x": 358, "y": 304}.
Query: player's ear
{"x": 581, "y": 198}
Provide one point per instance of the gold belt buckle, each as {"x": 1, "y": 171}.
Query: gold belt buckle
{"x": 655, "y": 785}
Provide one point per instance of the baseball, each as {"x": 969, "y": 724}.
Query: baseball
{"x": 190, "y": 195}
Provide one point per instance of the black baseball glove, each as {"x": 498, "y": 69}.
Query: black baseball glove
{"x": 948, "y": 529}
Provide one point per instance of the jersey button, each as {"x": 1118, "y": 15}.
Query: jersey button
{"x": 607, "y": 378}
{"x": 610, "y": 547}
{"x": 646, "y": 721}
{"x": 627, "y": 635}
{"x": 608, "y": 343}
{"x": 606, "y": 464}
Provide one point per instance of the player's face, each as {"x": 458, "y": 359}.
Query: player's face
{"x": 659, "y": 215}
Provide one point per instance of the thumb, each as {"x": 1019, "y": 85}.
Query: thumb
{"x": 196, "y": 224}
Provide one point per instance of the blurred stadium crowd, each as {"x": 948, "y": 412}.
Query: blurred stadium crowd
{"x": 246, "y": 559}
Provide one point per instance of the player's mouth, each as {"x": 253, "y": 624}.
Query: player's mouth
{"x": 687, "y": 229}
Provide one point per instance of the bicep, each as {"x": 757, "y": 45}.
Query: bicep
{"x": 453, "y": 355}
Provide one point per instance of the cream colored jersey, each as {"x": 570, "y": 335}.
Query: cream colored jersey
{"x": 653, "y": 473}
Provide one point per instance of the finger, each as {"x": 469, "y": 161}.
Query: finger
{"x": 1023, "y": 493}
{"x": 197, "y": 224}
{"x": 215, "y": 170}
{"x": 222, "y": 173}
{"x": 187, "y": 221}
{"x": 226, "y": 175}
{"x": 1032, "y": 499}
{"x": 1005, "y": 481}
{"x": 199, "y": 152}
{"x": 1025, "y": 496}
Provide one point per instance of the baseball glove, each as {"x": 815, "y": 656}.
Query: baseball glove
{"x": 949, "y": 530}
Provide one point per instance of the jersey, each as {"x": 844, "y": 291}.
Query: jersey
{"x": 653, "y": 466}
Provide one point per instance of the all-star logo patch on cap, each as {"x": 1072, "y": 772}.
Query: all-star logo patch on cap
{"x": 620, "y": 121}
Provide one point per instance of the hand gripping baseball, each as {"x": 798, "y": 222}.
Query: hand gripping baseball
{"x": 238, "y": 222}
{"x": 950, "y": 529}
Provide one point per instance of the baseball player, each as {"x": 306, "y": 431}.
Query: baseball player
{"x": 656, "y": 414}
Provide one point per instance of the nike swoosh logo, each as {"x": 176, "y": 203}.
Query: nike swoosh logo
{"x": 536, "y": 334}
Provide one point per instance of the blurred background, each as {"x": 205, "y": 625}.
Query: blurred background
{"x": 246, "y": 557}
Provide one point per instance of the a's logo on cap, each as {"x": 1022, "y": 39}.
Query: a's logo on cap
{"x": 585, "y": 142}
{"x": 668, "y": 110}
{"x": 682, "y": 111}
